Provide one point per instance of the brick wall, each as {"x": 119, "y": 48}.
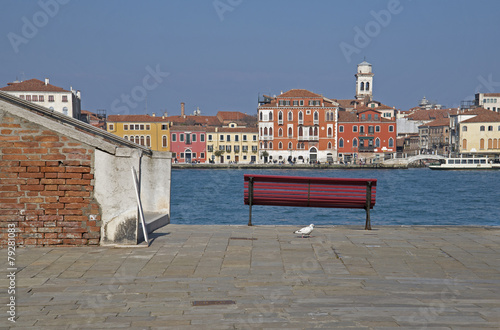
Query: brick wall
{"x": 46, "y": 187}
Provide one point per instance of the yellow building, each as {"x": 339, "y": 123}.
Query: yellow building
{"x": 480, "y": 132}
{"x": 150, "y": 131}
{"x": 232, "y": 144}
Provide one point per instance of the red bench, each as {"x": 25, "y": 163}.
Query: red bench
{"x": 310, "y": 192}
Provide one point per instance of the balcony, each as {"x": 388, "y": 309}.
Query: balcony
{"x": 308, "y": 138}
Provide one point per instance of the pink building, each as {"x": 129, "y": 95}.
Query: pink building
{"x": 188, "y": 144}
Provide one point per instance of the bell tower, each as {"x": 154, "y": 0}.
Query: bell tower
{"x": 364, "y": 81}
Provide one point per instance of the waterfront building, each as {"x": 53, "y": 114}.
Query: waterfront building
{"x": 365, "y": 135}
{"x": 232, "y": 144}
{"x": 478, "y": 131}
{"x": 188, "y": 144}
{"x": 95, "y": 119}
{"x": 297, "y": 125}
{"x": 489, "y": 101}
{"x": 150, "y": 131}
{"x": 46, "y": 95}
{"x": 434, "y": 137}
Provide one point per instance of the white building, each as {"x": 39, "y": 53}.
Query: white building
{"x": 47, "y": 95}
{"x": 489, "y": 101}
{"x": 364, "y": 81}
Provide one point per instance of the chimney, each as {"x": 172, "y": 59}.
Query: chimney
{"x": 46, "y": 81}
{"x": 154, "y": 114}
{"x": 182, "y": 109}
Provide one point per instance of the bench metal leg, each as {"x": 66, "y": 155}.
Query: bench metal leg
{"x": 368, "y": 225}
{"x": 250, "y": 216}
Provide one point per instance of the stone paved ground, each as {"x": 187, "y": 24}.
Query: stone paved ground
{"x": 340, "y": 278}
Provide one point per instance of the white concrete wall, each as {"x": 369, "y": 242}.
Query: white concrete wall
{"x": 115, "y": 192}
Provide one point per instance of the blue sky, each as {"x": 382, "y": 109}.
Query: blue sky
{"x": 219, "y": 55}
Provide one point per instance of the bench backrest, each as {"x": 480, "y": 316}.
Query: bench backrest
{"x": 309, "y": 191}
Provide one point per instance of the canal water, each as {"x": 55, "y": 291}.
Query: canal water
{"x": 404, "y": 197}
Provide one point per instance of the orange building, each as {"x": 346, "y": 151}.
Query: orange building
{"x": 298, "y": 125}
{"x": 365, "y": 135}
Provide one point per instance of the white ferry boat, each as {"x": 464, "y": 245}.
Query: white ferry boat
{"x": 474, "y": 163}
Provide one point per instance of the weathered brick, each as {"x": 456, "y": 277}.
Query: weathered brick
{"x": 69, "y": 235}
{"x": 52, "y": 187}
{"x": 33, "y": 169}
{"x": 31, "y": 200}
{"x": 72, "y": 206}
{"x": 32, "y": 163}
{"x": 50, "y": 241}
{"x": 75, "y": 241}
{"x": 78, "y": 169}
{"x": 74, "y": 150}
{"x": 48, "y": 218}
{"x": 32, "y": 187}
{"x": 28, "y": 242}
{"x": 49, "y": 175}
{"x": 73, "y": 224}
{"x": 14, "y": 193}
{"x": 53, "y": 157}
{"x": 52, "y": 193}
{"x": 93, "y": 241}
{"x": 33, "y": 181}
{"x": 45, "y": 138}
{"x": 68, "y": 212}
{"x": 78, "y": 182}
{"x": 31, "y": 175}
{"x": 71, "y": 193}
{"x": 9, "y": 138}
{"x": 26, "y": 144}
{"x": 69, "y": 175}
{"x": 57, "y": 169}
{"x": 51, "y": 144}
{"x": 31, "y": 235}
{"x": 34, "y": 224}
{"x": 52, "y": 206}
{"x": 71, "y": 199}
{"x": 52, "y": 181}
{"x": 14, "y": 157}
{"x": 49, "y": 230}
{"x": 50, "y": 235}
{"x": 35, "y": 151}
{"x": 15, "y": 169}
{"x": 11, "y": 206}
{"x": 69, "y": 187}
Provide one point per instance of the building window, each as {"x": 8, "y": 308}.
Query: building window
{"x": 377, "y": 128}
{"x": 270, "y": 117}
{"x": 181, "y": 137}
{"x": 237, "y": 138}
{"x": 290, "y": 146}
{"x": 35, "y": 98}
{"x": 490, "y": 143}
{"x": 260, "y": 115}
{"x": 290, "y": 132}
{"x": 193, "y": 137}
{"x": 341, "y": 143}
{"x": 65, "y": 98}
{"x": 280, "y": 145}
{"x": 355, "y": 128}
{"x": 254, "y": 138}
{"x": 244, "y": 137}
{"x": 148, "y": 141}
{"x": 329, "y": 132}
{"x": 370, "y": 129}
{"x": 481, "y": 144}
{"x": 174, "y": 137}
{"x": 202, "y": 138}
{"x": 209, "y": 137}
{"x": 341, "y": 129}
{"x": 301, "y": 117}
{"x": 148, "y": 127}
{"x": 377, "y": 142}
{"x": 355, "y": 143}
{"x": 316, "y": 117}
{"x": 464, "y": 129}
{"x": 164, "y": 127}
{"x": 51, "y": 98}
{"x": 125, "y": 137}
{"x": 41, "y": 98}
{"x": 490, "y": 128}
{"x": 28, "y": 98}
{"x": 221, "y": 137}
{"x": 391, "y": 142}
{"x": 280, "y": 132}
{"x": 228, "y": 138}
{"x": 363, "y": 117}
{"x": 125, "y": 127}
{"x": 290, "y": 116}
{"x": 164, "y": 141}
{"x": 228, "y": 148}
{"x": 464, "y": 144}
{"x": 481, "y": 128}
{"x": 329, "y": 145}
{"x": 280, "y": 118}
{"x": 141, "y": 127}
{"x": 65, "y": 111}
{"x": 295, "y": 103}
{"x": 301, "y": 103}
{"x": 361, "y": 129}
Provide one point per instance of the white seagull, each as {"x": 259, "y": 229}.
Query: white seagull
{"x": 305, "y": 231}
